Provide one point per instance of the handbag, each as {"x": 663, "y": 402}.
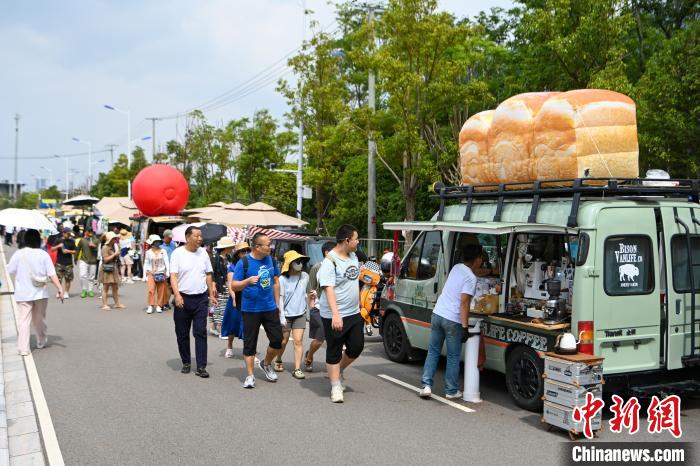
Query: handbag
{"x": 159, "y": 277}
{"x": 38, "y": 281}
{"x": 108, "y": 268}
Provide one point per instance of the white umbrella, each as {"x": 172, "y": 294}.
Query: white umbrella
{"x": 24, "y": 218}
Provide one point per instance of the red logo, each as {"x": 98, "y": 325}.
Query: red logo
{"x": 587, "y": 412}
{"x": 665, "y": 415}
{"x": 625, "y": 415}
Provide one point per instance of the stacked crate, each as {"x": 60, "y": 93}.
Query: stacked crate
{"x": 568, "y": 378}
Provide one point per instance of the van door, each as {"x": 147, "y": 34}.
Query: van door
{"x": 678, "y": 282}
{"x": 627, "y": 306}
{"x": 418, "y": 283}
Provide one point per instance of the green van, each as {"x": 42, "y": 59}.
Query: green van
{"x": 627, "y": 255}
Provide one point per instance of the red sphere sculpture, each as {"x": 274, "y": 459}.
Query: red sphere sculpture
{"x": 160, "y": 190}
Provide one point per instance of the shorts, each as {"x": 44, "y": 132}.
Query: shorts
{"x": 65, "y": 272}
{"x": 127, "y": 260}
{"x": 352, "y": 336}
{"x": 251, "y": 328}
{"x": 296, "y": 323}
{"x": 316, "y": 326}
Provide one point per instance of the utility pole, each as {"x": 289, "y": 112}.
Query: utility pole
{"x": 111, "y": 148}
{"x": 153, "y": 137}
{"x": 15, "y": 188}
{"x": 300, "y": 162}
{"x": 371, "y": 150}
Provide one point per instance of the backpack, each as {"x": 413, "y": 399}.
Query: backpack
{"x": 239, "y": 294}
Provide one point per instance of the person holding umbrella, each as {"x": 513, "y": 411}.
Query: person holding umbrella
{"x": 156, "y": 268}
{"x": 33, "y": 270}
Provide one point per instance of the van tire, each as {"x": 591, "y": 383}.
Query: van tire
{"x": 396, "y": 345}
{"x": 524, "y": 370}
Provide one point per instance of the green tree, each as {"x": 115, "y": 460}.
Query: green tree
{"x": 669, "y": 107}
{"x": 51, "y": 192}
{"x": 28, "y": 200}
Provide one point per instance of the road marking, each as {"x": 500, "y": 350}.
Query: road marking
{"x": 48, "y": 433}
{"x": 433, "y": 396}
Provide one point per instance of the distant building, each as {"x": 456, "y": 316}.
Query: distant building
{"x": 41, "y": 184}
{"x": 6, "y": 188}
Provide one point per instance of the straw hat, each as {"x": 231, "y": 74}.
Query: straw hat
{"x": 241, "y": 245}
{"x": 109, "y": 236}
{"x": 289, "y": 257}
{"x": 153, "y": 238}
{"x": 123, "y": 233}
{"x": 225, "y": 243}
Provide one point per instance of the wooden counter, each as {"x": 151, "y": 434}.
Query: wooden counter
{"x": 527, "y": 322}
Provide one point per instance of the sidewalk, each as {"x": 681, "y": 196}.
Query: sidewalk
{"x": 22, "y": 442}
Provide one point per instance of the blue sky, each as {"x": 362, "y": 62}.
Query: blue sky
{"x": 62, "y": 61}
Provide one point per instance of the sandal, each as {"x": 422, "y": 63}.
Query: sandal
{"x": 105, "y": 308}
{"x": 308, "y": 363}
{"x": 279, "y": 367}
{"x": 298, "y": 374}
{"x": 119, "y": 306}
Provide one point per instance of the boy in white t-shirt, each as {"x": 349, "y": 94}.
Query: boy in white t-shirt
{"x": 450, "y": 322}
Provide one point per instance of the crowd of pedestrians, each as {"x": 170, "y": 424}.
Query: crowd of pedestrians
{"x": 237, "y": 288}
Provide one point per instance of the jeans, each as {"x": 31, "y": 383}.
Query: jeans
{"x": 443, "y": 331}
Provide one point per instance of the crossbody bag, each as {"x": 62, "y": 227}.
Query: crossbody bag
{"x": 38, "y": 281}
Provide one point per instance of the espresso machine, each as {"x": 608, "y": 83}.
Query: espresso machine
{"x": 555, "y": 306}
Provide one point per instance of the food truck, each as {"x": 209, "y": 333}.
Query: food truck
{"x": 616, "y": 262}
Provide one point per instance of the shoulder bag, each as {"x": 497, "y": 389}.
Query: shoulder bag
{"x": 39, "y": 281}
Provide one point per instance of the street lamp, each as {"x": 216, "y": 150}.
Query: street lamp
{"x": 66, "y": 179}
{"x": 145, "y": 138}
{"x": 50, "y": 174}
{"x": 128, "y": 136}
{"x": 89, "y": 144}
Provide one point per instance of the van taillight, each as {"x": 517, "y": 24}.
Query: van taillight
{"x": 585, "y": 336}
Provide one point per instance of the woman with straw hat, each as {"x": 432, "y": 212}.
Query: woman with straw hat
{"x": 294, "y": 301}
{"x": 232, "y": 324}
{"x": 220, "y": 263}
{"x": 156, "y": 268}
{"x": 109, "y": 271}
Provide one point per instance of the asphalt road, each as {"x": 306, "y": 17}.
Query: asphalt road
{"x": 116, "y": 396}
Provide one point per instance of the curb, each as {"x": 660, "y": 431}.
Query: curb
{"x": 27, "y": 435}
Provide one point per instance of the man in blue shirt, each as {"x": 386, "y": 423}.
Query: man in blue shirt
{"x": 168, "y": 244}
{"x": 257, "y": 275}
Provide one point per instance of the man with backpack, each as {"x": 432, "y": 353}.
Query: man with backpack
{"x": 257, "y": 275}
{"x": 340, "y": 307}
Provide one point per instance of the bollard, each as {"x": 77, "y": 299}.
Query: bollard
{"x": 471, "y": 363}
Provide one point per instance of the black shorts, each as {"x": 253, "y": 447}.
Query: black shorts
{"x": 316, "y": 325}
{"x": 352, "y": 337}
{"x": 251, "y": 328}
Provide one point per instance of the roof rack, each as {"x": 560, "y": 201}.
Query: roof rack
{"x": 576, "y": 188}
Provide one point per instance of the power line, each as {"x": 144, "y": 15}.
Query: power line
{"x": 44, "y": 157}
{"x": 253, "y": 84}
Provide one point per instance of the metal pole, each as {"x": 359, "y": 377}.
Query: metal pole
{"x": 371, "y": 168}
{"x": 128, "y": 151}
{"x": 300, "y": 162}
{"x": 153, "y": 137}
{"x": 89, "y": 166}
{"x": 15, "y": 188}
{"x": 300, "y": 185}
{"x": 111, "y": 154}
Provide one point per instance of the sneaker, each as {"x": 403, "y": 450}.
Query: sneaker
{"x": 279, "y": 367}
{"x": 221, "y": 337}
{"x": 426, "y": 392}
{"x": 186, "y": 368}
{"x": 454, "y": 396}
{"x": 66, "y": 295}
{"x": 91, "y": 294}
{"x": 308, "y": 367}
{"x": 129, "y": 282}
{"x": 41, "y": 344}
{"x": 213, "y": 332}
{"x": 83, "y": 294}
{"x": 149, "y": 310}
{"x": 298, "y": 374}
{"x": 229, "y": 353}
{"x": 337, "y": 395}
{"x": 249, "y": 382}
{"x": 58, "y": 295}
{"x": 159, "y": 310}
{"x": 201, "y": 372}
{"x": 166, "y": 307}
{"x": 342, "y": 383}
{"x": 268, "y": 371}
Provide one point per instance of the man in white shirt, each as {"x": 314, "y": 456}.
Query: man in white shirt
{"x": 190, "y": 278}
{"x": 450, "y": 322}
